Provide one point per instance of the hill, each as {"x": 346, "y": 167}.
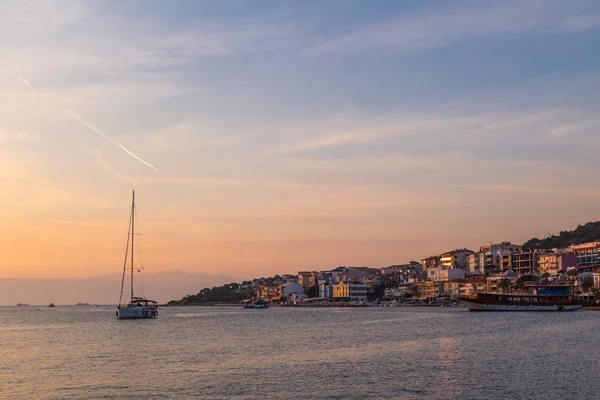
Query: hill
{"x": 589, "y": 232}
{"x": 229, "y": 293}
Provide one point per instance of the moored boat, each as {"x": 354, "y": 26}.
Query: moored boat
{"x": 259, "y": 304}
{"x": 51, "y": 305}
{"x": 137, "y": 307}
{"x": 538, "y": 298}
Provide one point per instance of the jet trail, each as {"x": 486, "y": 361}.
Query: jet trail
{"x": 98, "y": 131}
{"x": 24, "y": 81}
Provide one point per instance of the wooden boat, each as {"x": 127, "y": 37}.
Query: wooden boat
{"x": 538, "y": 298}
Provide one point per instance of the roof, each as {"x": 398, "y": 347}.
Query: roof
{"x": 452, "y": 252}
{"x": 481, "y": 279}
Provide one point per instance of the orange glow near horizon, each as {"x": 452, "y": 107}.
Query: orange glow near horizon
{"x": 275, "y": 151}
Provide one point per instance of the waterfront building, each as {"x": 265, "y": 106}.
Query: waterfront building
{"x": 595, "y": 276}
{"x": 354, "y": 291}
{"x": 588, "y": 255}
{"x": 430, "y": 262}
{"x": 496, "y": 256}
{"x": 501, "y": 246}
{"x": 270, "y": 292}
{"x": 476, "y": 263}
{"x": 455, "y": 258}
{"x": 288, "y": 278}
{"x": 403, "y": 290}
{"x": 325, "y": 281}
{"x": 555, "y": 263}
{"x": 425, "y": 290}
{"x": 297, "y": 297}
{"x": 443, "y": 274}
{"x": 412, "y": 268}
{"x": 525, "y": 263}
{"x": 326, "y": 290}
{"x": 288, "y": 289}
{"x": 307, "y": 279}
{"x": 493, "y": 282}
{"x": 355, "y": 274}
{"x": 372, "y": 280}
{"x": 466, "y": 287}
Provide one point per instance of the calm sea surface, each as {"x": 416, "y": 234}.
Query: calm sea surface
{"x": 300, "y": 353}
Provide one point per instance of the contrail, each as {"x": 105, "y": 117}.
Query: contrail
{"x": 24, "y": 81}
{"x": 98, "y": 131}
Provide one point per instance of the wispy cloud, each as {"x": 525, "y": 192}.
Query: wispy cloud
{"x": 188, "y": 136}
{"x": 249, "y": 181}
{"x": 430, "y": 28}
{"x": 540, "y": 126}
{"x": 6, "y": 137}
{"x": 563, "y": 191}
{"x": 81, "y": 35}
{"x": 257, "y": 144}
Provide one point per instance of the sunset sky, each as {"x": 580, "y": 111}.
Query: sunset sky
{"x": 291, "y": 135}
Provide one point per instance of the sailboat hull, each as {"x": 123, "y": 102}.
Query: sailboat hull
{"x": 136, "y": 313}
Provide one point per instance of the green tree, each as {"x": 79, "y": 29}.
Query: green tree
{"x": 524, "y": 279}
{"x": 589, "y": 232}
{"x": 378, "y": 292}
{"x": 587, "y": 284}
{"x": 504, "y": 284}
{"x": 490, "y": 269}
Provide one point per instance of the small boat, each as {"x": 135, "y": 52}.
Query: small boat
{"x": 51, "y": 305}
{"x": 22, "y": 305}
{"x": 539, "y": 298}
{"x": 257, "y": 305}
{"x": 137, "y": 307}
{"x": 82, "y": 304}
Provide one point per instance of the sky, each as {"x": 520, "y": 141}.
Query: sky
{"x": 269, "y": 137}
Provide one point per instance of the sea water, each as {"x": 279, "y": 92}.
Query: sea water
{"x": 298, "y": 353}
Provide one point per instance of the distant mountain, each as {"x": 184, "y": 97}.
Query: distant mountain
{"x": 161, "y": 286}
{"x": 589, "y": 232}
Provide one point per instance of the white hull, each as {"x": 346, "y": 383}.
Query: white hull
{"x": 499, "y": 307}
{"x": 136, "y": 313}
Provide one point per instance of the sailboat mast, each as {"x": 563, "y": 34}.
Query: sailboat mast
{"x": 132, "y": 236}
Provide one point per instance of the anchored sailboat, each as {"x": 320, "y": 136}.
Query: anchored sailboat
{"x": 137, "y": 307}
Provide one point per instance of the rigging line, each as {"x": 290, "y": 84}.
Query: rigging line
{"x": 140, "y": 281}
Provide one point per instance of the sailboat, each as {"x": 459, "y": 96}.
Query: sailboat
{"x": 137, "y": 307}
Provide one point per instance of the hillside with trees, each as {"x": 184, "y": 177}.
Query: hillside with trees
{"x": 589, "y": 232}
{"x": 229, "y": 293}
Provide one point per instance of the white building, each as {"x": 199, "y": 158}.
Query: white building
{"x": 442, "y": 274}
{"x": 326, "y": 290}
{"x": 403, "y": 290}
{"x": 307, "y": 279}
{"x": 582, "y": 275}
{"x": 588, "y": 255}
{"x": 497, "y": 255}
{"x": 298, "y": 297}
{"x": 455, "y": 258}
{"x": 289, "y": 289}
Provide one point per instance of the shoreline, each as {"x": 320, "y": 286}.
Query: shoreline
{"x": 309, "y": 305}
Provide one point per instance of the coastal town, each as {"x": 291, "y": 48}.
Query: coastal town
{"x": 436, "y": 280}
